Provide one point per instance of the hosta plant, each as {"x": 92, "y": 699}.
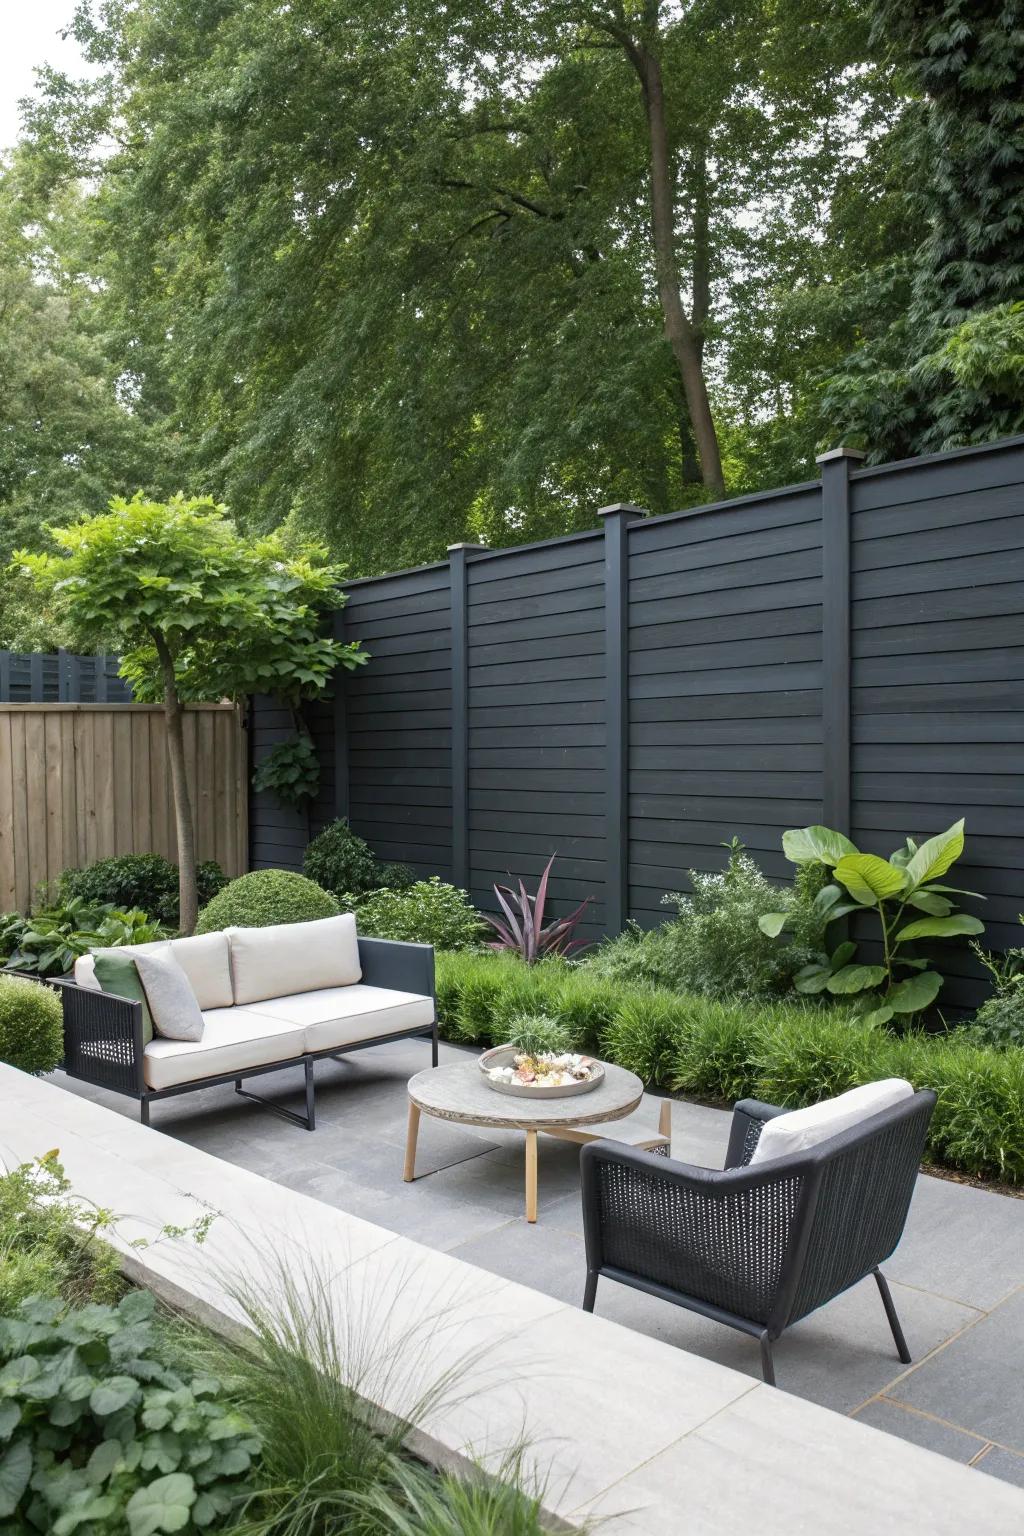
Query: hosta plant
{"x": 98, "y": 1433}
{"x": 904, "y": 897}
{"x": 49, "y": 942}
{"x": 523, "y": 929}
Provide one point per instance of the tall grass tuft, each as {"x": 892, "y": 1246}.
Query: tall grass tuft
{"x": 801, "y": 1055}
{"x": 643, "y": 1033}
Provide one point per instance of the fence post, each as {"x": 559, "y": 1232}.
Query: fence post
{"x": 340, "y": 712}
{"x": 835, "y": 633}
{"x": 616, "y": 520}
{"x": 460, "y": 711}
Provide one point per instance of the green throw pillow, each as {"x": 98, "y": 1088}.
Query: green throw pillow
{"x": 115, "y": 972}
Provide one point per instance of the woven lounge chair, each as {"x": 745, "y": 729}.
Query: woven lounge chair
{"x": 757, "y": 1248}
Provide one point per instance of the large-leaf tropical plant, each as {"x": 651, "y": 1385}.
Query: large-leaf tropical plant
{"x": 901, "y": 983}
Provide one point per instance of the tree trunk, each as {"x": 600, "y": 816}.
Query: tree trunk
{"x": 184, "y": 826}
{"x": 684, "y": 339}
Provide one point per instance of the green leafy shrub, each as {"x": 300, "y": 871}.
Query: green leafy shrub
{"x": 1000, "y": 1019}
{"x": 265, "y": 897}
{"x": 902, "y": 984}
{"x": 49, "y": 942}
{"x": 290, "y": 771}
{"x": 101, "y": 1435}
{"x": 145, "y": 881}
{"x": 537, "y": 1032}
{"x": 715, "y": 945}
{"x": 426, "y": 912}
{"x": 31, "y": 1026}
{"x": 791, "y": 1053}
{"x": 344, "y": 864}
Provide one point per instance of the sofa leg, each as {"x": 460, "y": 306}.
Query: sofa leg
{"x": 590, "y": 1290}
{"x": 894, "y": 1322}
{"x": 433, "y": 1047}
{"x": 310, "y": 1095}
{"x": 767, "y": 1360}
{"x": 144, "y": 1111}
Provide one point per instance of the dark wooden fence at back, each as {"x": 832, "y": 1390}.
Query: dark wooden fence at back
{"x": 849, "y": 650}
{"x": 58, "y": 677}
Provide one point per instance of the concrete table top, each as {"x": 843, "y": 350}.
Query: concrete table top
{"x": 458, "y": 1092}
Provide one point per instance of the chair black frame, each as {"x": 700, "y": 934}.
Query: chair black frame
{"x": 756, "y": 1248}
{"x": 103, "y": 1043}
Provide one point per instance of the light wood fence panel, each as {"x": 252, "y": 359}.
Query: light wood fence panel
{"x": 80, "y": 782}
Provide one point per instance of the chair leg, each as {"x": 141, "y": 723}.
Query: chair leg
{"x": 767, "y": 1360}
{"x": 590, "y": 1290}
{"x": 310, "y": 1094}
{"x": 894, "y": 1322}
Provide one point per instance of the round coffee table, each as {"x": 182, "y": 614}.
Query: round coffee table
{"x": 459, "y": 1093}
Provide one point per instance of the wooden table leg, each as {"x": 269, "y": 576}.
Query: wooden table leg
{"x": 531, "y": 1175}
{"x": 410, "y": 1142}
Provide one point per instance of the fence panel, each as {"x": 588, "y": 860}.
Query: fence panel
{"x": 849, "y": 651}
{"x": 80, "y": 782}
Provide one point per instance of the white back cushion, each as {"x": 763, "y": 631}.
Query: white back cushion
{"x": 205, "y": 958}
{"x": 293, "y": 957}
{"x": 800, "y": 1129}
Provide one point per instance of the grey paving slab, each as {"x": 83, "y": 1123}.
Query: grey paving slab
{"x": 1005, "y": 1464}
{"x": 977, "y": 1380}
{"x": 922, "y": 1429}
{"x": 962, "y": 1242}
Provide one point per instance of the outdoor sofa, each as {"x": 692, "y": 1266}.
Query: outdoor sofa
{"x": 801, "y": 1212}
{"x": 270, "y": 998}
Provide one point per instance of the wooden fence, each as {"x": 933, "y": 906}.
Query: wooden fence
{"x": 80, "y": 782}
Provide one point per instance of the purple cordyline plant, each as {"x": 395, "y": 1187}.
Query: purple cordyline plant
{"x": 522, "y": 928}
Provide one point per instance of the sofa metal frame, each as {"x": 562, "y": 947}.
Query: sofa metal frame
{"x": 756, "y": 1248}
{"x": 103, "y": 1042}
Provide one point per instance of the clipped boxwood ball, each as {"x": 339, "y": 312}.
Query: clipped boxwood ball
{"x": 265, "y": 897}
{"x": 31, "y": 1025}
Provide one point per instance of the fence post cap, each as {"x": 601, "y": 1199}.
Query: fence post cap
{"x": 626, "y": 507}
{"x": 842, "y": 452}
{"x": 452, "y": 547}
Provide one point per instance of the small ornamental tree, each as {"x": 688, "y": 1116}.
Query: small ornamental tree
{"x": 199, "y": 614}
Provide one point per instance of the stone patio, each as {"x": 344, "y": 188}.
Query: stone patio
{"x": 957, "y": 1278}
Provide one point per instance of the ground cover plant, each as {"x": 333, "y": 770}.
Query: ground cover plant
{"x": 50, "y": 941}
{"x": 1000, "y": 1019}
{"x": 901, "y": 983}
{"x": 264, "y": 897}
{"x": 145, "y": 881}
{"x": 788, "y": 1052}
{"x": 31, "y": 1025}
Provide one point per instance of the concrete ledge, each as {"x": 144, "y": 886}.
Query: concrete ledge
{"x": 650, "y": 1438}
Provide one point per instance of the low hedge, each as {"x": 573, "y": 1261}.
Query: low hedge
{"x": 785, "y": 1053}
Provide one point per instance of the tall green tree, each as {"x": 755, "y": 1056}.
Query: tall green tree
{"x": 198, "y": 613}
{"x": 948, "y": 369}
{"x": 405, "y": 275}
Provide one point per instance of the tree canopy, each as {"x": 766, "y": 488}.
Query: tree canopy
{"x": 397, "y": 275}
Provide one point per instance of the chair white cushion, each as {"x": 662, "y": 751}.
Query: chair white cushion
{"x": 336, "y": 1016}
{"x": 205, "y": 959}
{"x": 800, "y": 1129}
{"x": 233, "y": 1039}
{"x": 293, "y": 957}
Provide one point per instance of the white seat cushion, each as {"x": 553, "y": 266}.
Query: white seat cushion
{"x": 336, "y": 1016}
{"x": 800, "y": 1129}
{"x": 205, "y": 959}
{"x": 293, "y": 957}
{"x": 233, "y": 1039}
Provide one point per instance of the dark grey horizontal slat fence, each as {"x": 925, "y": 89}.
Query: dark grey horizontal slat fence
{"x": 59, "y": 677}
{"x": 850, "y": 650}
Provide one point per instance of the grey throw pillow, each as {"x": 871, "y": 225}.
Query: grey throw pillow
{"x": 172, "y": 1002}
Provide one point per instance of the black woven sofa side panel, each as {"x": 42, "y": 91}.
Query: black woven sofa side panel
{"x": 102, "y": 1038}
{"x": 722, "y": 1247}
